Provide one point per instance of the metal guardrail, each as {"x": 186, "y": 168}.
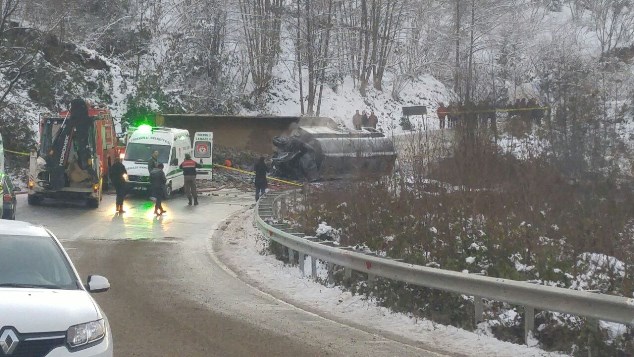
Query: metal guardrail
{"x": 532, "y": 296}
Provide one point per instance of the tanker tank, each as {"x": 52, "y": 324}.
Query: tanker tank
{"x": 321, "y": 150}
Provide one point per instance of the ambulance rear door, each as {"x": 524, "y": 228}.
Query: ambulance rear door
{"x": 203, "y": 146}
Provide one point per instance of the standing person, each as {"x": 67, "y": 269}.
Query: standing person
{"x": 189, "y": 167}
{"x": 356, "y": 120}
{"x": 364, "y": 119}
{"x": 153, "y": 162}
{"x": 442, "y": 114}
{"x": 157, "y": 188}
{"x": 260, "y": 178}
{"x": 373, "y": 120}
{"x": 118, "y": 176}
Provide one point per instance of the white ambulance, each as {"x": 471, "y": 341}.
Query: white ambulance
{"x": 172, "y": 145}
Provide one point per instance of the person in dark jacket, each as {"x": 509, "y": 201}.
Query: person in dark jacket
{"x": 373, "y": 120}
{"x": 153, "y": 162}
{"x": 157, "y": 188}
{"x": 189, "y": 167}
{"x": 364, "y": 119}
{"x": 356, "y": 120}
{"x": 260, "y": 178}
{"x": 118, "y": 176}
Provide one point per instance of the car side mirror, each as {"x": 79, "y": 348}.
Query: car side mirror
{"x": 97, "y": 284}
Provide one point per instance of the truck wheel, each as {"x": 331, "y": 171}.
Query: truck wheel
{"x": 168, "y": 190}
{"x": 93, "y": 203}
{"x": 34, "y": 200}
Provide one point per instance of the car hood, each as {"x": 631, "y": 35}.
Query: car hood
{"x": 38, "y": 310}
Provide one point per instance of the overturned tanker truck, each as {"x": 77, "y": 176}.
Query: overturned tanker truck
{"x": 319, "y": 149}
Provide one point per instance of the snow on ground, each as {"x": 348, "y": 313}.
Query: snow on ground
{"x": 341, "y": 100}
{"x": 242, "y": 250}
{"x": 341, "y": 103}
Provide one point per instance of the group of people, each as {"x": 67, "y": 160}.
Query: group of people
{"x": 485, "y": 112}
{"x": 456, "y": 113}
{"x": 363, "y": 120}
{"x": 158, "y": 181}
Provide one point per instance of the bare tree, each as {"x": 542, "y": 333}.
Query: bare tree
{"x": 612, "y": 20}
{"x": 423, "y": 47}
{"x": 262, "y": 21}
{"x": 16, "y": 56}
{"x": 314, "y": 27}
{"x": 373, "y": 27}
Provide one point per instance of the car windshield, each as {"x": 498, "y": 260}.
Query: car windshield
{"x": 48, "y": 132}
{"x": 34, "y": 262}
{"x": 143, "y": 152}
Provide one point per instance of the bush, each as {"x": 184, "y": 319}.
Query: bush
{"x": 405, "y": 123}
{"x": 512, "y": 219}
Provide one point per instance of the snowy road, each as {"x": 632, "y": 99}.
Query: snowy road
{"x": 171, "y": 296}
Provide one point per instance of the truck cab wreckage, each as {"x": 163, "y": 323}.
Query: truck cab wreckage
{"x": 319, "y": 149}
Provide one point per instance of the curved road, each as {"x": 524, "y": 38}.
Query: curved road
{"x": 170, "y": 296}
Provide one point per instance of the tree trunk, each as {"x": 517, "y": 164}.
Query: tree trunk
{"x": 311, "y": 64}
{"x": 468, "y": 87}
{"x": 299, "y": 58}
{"x": 324, "y": 62}
{"x": 456, "y": 80}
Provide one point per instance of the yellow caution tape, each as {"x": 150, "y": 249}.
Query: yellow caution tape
{"x": 17, "y": 152}
{"x": 253, "y": 173}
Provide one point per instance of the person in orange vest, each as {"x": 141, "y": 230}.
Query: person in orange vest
{"x": 442, "y": 112}
{"x": 189, "y": 167}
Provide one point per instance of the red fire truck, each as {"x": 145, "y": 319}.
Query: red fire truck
{"x": 85, "y": 182}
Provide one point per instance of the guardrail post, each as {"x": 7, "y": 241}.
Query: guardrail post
{"x": 331, "y": 273}
{"x": 301, "y": 258}
{"x": 347, "y": 273}
{"x": 593, "y": 327}
{"x": 283, "y": 208}
{"x": 479, "y": 309}
{"x": 371, "y": 279}
{"x": 313, "y": 267}
{"x": 529, "y": 322}
{"x": 291, "y": 256}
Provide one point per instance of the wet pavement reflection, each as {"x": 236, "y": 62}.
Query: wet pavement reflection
{"x": 73, "y": 220}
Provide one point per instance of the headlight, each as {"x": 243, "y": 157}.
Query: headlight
{"x": 83, "y": 334}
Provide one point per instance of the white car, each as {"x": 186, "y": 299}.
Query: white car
{"x": 45, "y": 310}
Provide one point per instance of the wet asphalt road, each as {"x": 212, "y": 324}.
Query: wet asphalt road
{"x": 171, "y": 296}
